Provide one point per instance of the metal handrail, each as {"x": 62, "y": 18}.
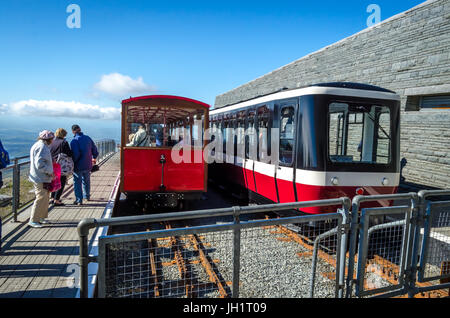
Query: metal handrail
{"x": 346, "y": 228}
{"x": 15, "y": 161}
{"x": 85, "y": 225}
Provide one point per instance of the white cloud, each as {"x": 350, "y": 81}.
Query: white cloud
{"x": 123, "y": 86}
{"x": 3, "y": 109}
{"x": 54, "y": 108}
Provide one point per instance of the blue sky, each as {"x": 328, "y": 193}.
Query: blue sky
{"x": 197, "y": 49}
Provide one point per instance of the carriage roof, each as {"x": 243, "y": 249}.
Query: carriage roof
{"x": 161, "y": 108}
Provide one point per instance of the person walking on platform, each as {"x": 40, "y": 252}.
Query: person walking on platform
{"x": 61, "y": 152}
{"x": 4, "y": 161}
{"x": 41, "y": 174}
{"x": 83, "y": 151}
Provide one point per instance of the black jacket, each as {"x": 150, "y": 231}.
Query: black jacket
{"x": 58, "y": 146}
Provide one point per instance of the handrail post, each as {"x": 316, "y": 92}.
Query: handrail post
{"x": 16, "y": 188}
{"x": 344, "y": 237}
{"x": 314, "y": 258}
{"x": 236, "y": 251}
{"x": 352, "y": 246}
{"x": 413, "y": 245}
{"x": 83, "y": 232}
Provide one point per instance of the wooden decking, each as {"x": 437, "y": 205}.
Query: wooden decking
{"x": 43, "y": 262}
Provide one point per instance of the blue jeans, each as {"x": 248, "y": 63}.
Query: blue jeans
{"x": 82, "y": 178}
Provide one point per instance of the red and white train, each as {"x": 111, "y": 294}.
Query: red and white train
{"x": 335, "y": 139}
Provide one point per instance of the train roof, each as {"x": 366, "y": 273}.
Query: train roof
{"x": 156, "y": 108}
{"x": 331, "y": 88}
{"x": 353, "y": 85}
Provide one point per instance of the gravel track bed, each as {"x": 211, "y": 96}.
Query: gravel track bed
{"x": 269, "y": 267}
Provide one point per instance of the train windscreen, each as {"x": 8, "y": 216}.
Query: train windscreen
{"x": 359, "y": 133}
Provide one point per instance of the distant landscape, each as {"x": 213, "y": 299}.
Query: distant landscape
{"x": 18, "y": 142}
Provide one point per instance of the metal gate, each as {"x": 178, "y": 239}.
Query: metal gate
{"x": 383, "y": 269}
{"x": 435, "y": 252}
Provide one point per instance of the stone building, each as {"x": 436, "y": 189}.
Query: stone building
{"x": 408, "y": 53}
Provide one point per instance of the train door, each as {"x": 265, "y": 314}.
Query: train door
{"x": 264, "y": 170}
{"x": 285, "y": 173}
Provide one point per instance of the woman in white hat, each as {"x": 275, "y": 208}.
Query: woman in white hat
{"x": 41, "y": 173}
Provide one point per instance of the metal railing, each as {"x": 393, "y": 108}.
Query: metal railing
{"x": 18, "y": 168}
{"x": 229, "y": 235}
{"x": 15, "y": 169}
{"x": 403, "y": 249}
{"x": 105, "y": 147}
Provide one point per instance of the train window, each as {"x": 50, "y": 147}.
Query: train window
{"x": 287, "y": 133}
{"x": 263, "y": 117}
{"x": 383, "y": 138}
{"x": 359, "y": 133}
{"x": 250, "y": 136}
{"x": 197, "y": 130}
{"x": 225, "y": 131}
{"x": 156, "y": 132}
{"x": 213, "y": 128}
{"x": 240, "y": 134}
{"x": 145, "y": 135}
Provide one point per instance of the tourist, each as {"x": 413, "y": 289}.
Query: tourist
{"x": 140, "y": 138}
{"x": 61, "y": 154}
{"x": 41, "y": 175}
{"x": 4, "y": 161}
{"x": 83, "y": 153}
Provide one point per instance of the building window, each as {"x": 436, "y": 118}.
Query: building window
{"x": 435, "y": 102}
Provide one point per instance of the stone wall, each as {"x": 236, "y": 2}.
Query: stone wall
{"x": 409, "y": 54}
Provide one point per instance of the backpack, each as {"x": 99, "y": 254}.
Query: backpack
{"x": 66, "y": 164}
{"x": 4, "y": 157}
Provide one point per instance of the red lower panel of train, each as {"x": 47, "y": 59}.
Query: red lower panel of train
{"x": 308, "y": 193}
{"x": 282, "y": 191}
{"x": 143, "y": 170}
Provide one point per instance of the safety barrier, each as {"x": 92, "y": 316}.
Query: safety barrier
{"x": 436, "y": 242}
{"x": 105, "y": 148}
{"x": 220, "y": 259}
{"x": 386, "y": 243}
{"x": 398, "y": 250}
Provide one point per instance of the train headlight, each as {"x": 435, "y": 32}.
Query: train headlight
{"x": 334, "y": 181}
{"x": 385, "y": 181}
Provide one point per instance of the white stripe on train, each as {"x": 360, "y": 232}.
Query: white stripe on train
{"x": 323, "y": 178}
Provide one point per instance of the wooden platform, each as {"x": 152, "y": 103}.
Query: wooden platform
{"x": 43, "y": 262}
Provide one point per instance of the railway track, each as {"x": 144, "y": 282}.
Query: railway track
{"x": 377, "y": 265}
{"x": 189, "y": 253}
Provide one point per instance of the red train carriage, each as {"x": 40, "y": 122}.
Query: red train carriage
{"x": 333, "y": 140}
{"x": 150, "y": 129}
